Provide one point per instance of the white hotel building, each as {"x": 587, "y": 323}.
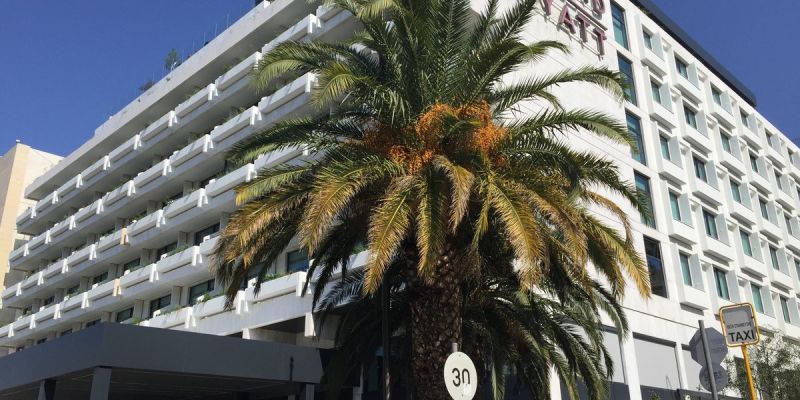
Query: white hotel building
{"x": 124, "y": 226}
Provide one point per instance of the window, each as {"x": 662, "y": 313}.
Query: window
{"x": 626, "y": 70}
{"x": 66, "y": 332}
{"x": 665, "y": 151}
{"x": 635, "y": 130}
{"x": 788, "y": 220}
{"x": 710, "y": 222}
{"x": 42, "y": 340}
{"x": 747, "y": 246}
{"x": 296, "y": 260}
{"x": 779, "y": 180}
{"x": 754, "y": 163}
{"x": 762, "y": 205}
{"x": 773, "y": 258}
{"x": 682, "y": 68}
{"x": 716, "y": 95}
{"x": 726, "y": 142}
{"x": 618, "y": 20}
{"x": 655, "y": 91}
{"x": 100, "y": 278}
{"x": 158, "y": 304}
{"x": 785, "y": 309}
{"x": 162, "y": 252}
{"x": 690, "y": 116}
{"x": 643, "y": 185}
{"x": 721, "y": 280}
{"x": 686, "y": 269}
{"x": 72, "y": 290}
{"x": 648, "y": 39}
{"x": 124, "y": 315}
{"x": 196, "y": 292}
{"x": 652, "y": 251}
{"x": 745, "y": 119}
{"x": 206, "y": 233}
{"x": 758, "y": 302}
{"x": 133, "y": 265}
{"x": 92, "y": 323}
{"x": 50, "y": 300}
{"x": 700, "y": 169}
{"x": 736, "y": 191}
{"x": 675, "y": 206}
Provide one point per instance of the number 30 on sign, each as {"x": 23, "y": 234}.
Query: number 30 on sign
{"x": 460, "y": 376}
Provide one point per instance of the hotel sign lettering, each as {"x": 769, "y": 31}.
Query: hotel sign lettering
{"x": 581, "y": 17}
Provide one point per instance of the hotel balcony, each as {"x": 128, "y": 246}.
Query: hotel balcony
{"x": 689, "y": 87}
{"x": 785, "y": 192}
{"x": 733, "y": 159}
{"x": 776, "y": 151}
{"x": 794, "y": 169}
{"x": 698, "y": 137}
{"x": 196, "y": 113}
{"x": 722, "y": 112}
{"x": 188, "y": 212}
{"x": 291, "y": 99}
{"x": 260, "y": 25}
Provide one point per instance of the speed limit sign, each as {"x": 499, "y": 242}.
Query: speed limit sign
{"x": 460, "y": 376}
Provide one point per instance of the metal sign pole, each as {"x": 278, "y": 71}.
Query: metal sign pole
{"x": 709, "y": 365}
{"x": 749, "y": 373}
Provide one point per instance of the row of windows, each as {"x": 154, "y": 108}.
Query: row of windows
{"x": 658, "y": 282}
{"x": 701, "y": 172}
{"x": 660, "y": 94}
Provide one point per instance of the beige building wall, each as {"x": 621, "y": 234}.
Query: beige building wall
{"x": 18, "y": 168}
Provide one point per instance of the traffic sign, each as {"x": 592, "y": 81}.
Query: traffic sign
{"x": 716, "y": 345}
{"x": 739, "y": 324}
{"x": 460, "y": 376}
{"x": 720, "y": 378}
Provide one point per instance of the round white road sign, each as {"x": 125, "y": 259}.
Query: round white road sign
{"x": 460, "y": 376}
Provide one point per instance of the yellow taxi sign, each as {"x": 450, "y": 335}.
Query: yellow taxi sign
{"x": 739, "y": 325}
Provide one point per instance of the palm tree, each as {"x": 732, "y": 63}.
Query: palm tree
{"x": 511, "y": 333}
{"x": 416, "y": 155}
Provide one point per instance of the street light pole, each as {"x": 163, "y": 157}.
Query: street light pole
{"x": 385, "y": 339}
{"x": 709, "y": 366}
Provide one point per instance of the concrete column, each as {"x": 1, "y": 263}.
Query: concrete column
{"x": 113, "y": 271}
{"x": 308, "y": 392}
{"x": 138, "y": 309}
{"x": 59, "y": 295}
{"x": 146, "y": 257}
{"x": 101, "y": 384}
{"x": 555, "y": 385}
{"x": 175, "y": 296}
{"x": 223, "y": 220}
{"x": 631, "y": 368}
{"x": 681, "y": 366}
{"x": 47, "y": 389}
{"x": 188, "y": 187}
{"x": 84, "y": 284}
{"x": 184, "y": 239}
{"x": 153, "y": 206}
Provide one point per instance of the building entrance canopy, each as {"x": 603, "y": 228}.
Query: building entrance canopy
{"x": 115, "y": 361}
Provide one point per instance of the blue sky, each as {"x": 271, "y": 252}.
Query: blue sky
{"x": 68, "y": 65}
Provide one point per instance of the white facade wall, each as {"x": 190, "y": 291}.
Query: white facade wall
{"x": 165, "y": 182}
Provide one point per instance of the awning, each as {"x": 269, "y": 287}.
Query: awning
{"x": 131, "y": 362}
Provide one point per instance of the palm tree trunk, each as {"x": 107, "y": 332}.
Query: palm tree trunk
{"x": 435, "y": 325}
